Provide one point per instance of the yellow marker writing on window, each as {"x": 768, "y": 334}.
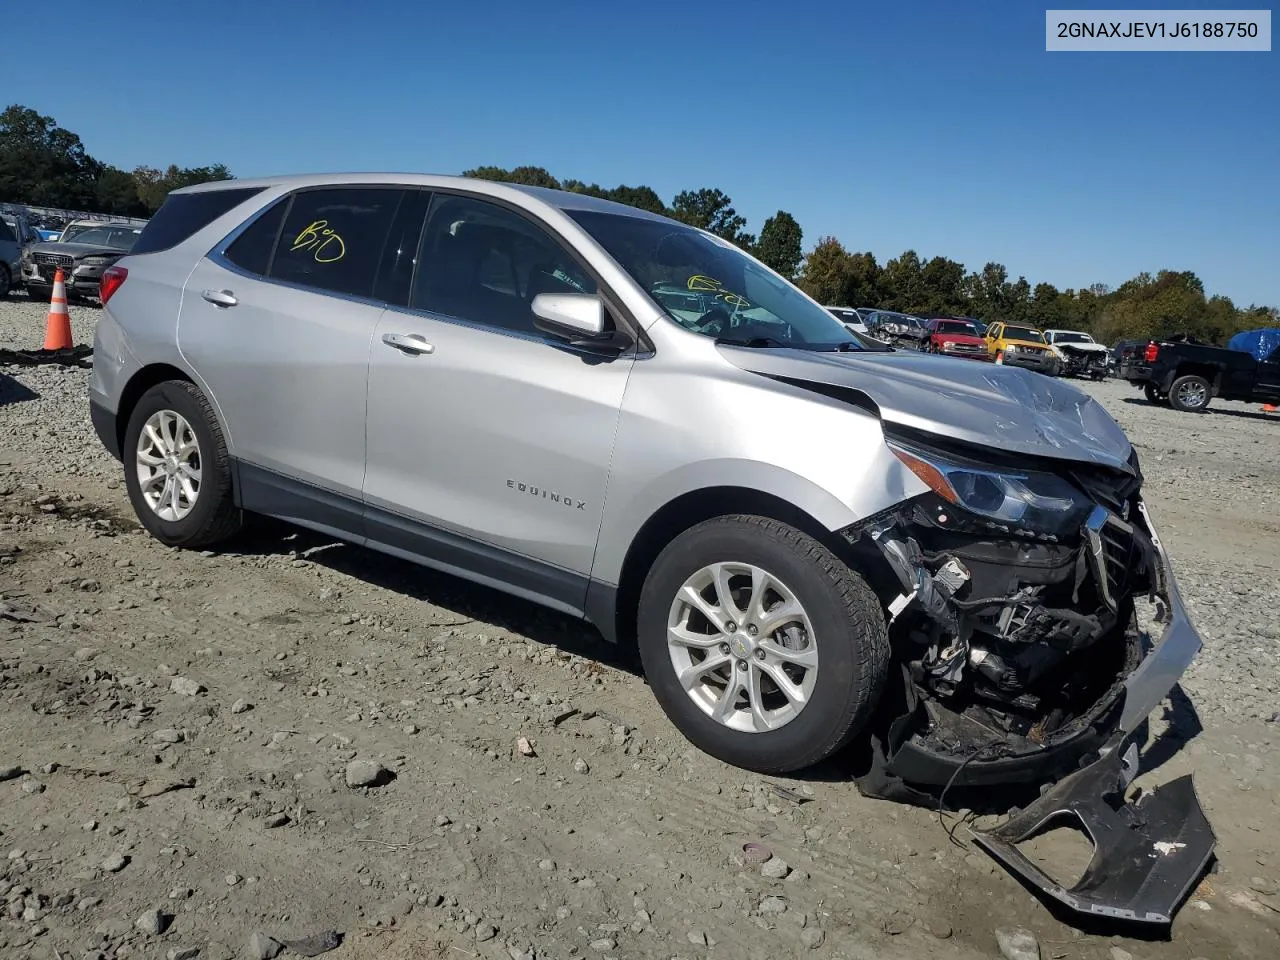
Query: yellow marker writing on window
{"x": 708, "y": 285}
{"x": 321, "y": 241}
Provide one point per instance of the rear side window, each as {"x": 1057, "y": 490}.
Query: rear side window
{"x": 332, "y": 239}
{"x": 6, "y": 231}
{"x": 252, "y": 249}
{"x": 183, "y": 214}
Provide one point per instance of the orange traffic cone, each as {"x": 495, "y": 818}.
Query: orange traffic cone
{"x": 57, "y": 331}
{"x": 1270, "y": 408}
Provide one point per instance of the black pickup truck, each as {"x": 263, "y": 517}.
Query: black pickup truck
{"x": 1187, "y": 374}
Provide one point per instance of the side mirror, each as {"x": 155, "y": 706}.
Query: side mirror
{"x": 578, "y": 318}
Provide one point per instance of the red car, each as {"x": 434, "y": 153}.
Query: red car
{"x": 955, "y": 338}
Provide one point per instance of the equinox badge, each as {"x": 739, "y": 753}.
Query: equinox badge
{"x": 546, "y": 494}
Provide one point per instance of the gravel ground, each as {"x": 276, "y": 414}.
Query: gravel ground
{"x": 292, "y": 737}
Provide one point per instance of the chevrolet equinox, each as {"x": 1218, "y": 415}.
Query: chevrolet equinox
{"x": 810, "y": 535}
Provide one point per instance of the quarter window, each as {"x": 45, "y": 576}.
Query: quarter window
{"x": 483, "y": 263}
{"x": 332, "y": 239}
{"x": 252, "y": 249}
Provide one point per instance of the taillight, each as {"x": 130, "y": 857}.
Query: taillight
{"x": 1149, "y": 355}
{"x": 113, "y": 279}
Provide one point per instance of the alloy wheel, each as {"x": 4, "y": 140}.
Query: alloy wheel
{"x": 168, "y": 465}
{"x": 742, "y": 647}
{"x": 1192, "y": 394}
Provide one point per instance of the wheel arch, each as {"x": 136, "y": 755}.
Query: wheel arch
{"x": 617, "y": 619}
{"x": 138, "y": 384}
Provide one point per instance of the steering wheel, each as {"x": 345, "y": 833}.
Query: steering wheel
{"x": 715, "y": 321}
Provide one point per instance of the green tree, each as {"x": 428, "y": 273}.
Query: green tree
{"x": 117, "y": 193}
{"x": 43, "y": 164}
{"x": 941, "y": 287}
{"x": 780, "y": 244}
{"x": 153, "y": 185}
{"x": 827, "y": 272}
{"x": 527, "y": 176}
{"x": 902, "y": 283}
{"x": 711, "y": 209}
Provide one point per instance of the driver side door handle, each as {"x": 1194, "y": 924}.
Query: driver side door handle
{"x": 410, "y": 343}
{"x": 220, "y": 298}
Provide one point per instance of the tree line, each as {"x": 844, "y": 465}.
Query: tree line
{"x": 45, "y": 165}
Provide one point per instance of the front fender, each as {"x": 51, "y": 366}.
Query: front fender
{"x": 881, "y": 483}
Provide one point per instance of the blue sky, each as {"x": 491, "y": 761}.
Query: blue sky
{"x": 938, "y": 125}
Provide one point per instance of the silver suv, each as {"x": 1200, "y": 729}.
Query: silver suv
{"x": 810, "y": 535}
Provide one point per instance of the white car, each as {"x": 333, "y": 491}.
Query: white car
{"x": 1078, "y": 353}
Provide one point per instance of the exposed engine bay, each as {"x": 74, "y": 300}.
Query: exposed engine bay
{"x": 1011, "y": 640}
{"x": 1080, "y": 361}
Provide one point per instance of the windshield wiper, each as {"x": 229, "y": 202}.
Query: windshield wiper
{"x": 752, "y": 342}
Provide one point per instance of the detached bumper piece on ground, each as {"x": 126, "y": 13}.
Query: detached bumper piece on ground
{"x": 1148, "y": 855}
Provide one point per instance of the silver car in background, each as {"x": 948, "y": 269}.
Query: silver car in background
{"x": 811, "y": 537}
{"x": 82, "y": 260}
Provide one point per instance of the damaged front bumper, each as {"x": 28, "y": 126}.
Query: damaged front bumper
{"x": 1149, "y": 854}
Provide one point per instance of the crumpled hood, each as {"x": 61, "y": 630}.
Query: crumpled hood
{"x": 995, "y": 406}
{"x": 77, "y": 250}
{"x": 1084, "y": 347}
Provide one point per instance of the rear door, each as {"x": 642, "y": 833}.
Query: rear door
{"x": 489, "y": 441}
{"x": 278, "y": 322}
{"x": 1268, "y": 385}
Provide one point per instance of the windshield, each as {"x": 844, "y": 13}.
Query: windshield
{"x": 119, "y": 238}
{"x": 1023, "y": 333}
{"x": 709, "y": 286}
{"x": 956, "y": 326}
{"x": 1072, "y": 338}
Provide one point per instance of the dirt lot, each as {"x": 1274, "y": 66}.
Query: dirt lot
{"x": 178, "y": 729}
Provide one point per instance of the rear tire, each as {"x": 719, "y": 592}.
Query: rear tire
{"x": 764, "y": 566}
{"x": 1190, "y": 394}
{"x": 1153, "y": 394}
{"x": 6, "y": 281}
{"x": 177, "y": 470}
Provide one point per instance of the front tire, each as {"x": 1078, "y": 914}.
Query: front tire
{"x": 1190, "y": 394}
{"x": 762, "y": 647}
{"x": 6, "y": 281}
{"x": 177, "y": 470}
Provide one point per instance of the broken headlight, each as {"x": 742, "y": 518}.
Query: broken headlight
{"x": 1027, "y": 499}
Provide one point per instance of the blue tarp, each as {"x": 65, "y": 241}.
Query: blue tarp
{"x": 1258, "y": 343}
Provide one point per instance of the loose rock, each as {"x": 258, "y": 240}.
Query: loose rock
{"x": 813, "y": 937}
{"x": 775, "y": 868}
{"x": 367, "y": 773}
{"x": 1018, "y": 944}
{"x": 773, "y": 905}
{"x": 263, "y": 947}
{"x": 186, "y": 687}
{"x": 152, "y": 922}
{"x": 115, "y": 863}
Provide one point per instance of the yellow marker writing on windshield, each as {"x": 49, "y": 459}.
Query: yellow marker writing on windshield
{"x": 708, "y": 285}
{"x": 318, "y": 238}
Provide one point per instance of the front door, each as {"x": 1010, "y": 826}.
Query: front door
{"x": 489, "y": 442}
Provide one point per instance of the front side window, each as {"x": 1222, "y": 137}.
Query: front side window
{"x": 332, "y": 239}
{"x": 483, "y": 263}
{"x": 709, "y": 286}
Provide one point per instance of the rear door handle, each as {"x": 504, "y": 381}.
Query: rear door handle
{"x": 220, "y": 298}
{"x": 408, "y": 343}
